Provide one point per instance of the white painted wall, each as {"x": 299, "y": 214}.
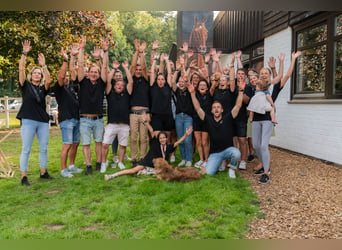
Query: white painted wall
{"x": 310, "y": 129}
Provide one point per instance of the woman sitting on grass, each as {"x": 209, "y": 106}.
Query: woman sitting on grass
{"x": 159, "y": 148}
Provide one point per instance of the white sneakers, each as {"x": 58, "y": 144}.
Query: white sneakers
{"x": 66, "y": 173}
{"x": 188, "y": 164}
{"x": 121, "y": 165}
{"x": 231, "y": 173}
{"x": 104, "y": 167}
{"x": 182, "y": 163}
{"x": 199, "y": 164}
{"x": 242, "y": 165}
{"x": 172, "y": 158}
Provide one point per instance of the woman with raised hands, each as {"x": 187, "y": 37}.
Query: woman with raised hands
{"x": 32, "y": 114}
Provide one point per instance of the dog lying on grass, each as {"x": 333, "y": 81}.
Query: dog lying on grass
{"x": 166, "y": 172}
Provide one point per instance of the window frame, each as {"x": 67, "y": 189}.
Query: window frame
{"x": 327, "y": 18}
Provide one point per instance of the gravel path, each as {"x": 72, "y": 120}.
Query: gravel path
{"x": 303, "y": 199}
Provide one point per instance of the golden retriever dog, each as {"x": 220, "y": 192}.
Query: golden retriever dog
{"x": 166, "y": 172}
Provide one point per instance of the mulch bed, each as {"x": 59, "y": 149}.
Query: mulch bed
{"x": 303, "y": 199}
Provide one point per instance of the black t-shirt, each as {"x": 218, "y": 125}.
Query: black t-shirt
{"x": 226, "y": 98}
{"x": 118, "y": 106}
{"x": 91, "y": 96}
{"x": 220, "y": 133}
{"x": 67, "y": 99}
{"x": 276, "y": 91}
{"x": 155, "y": 152}
{"x": 205, "y": 102}
{"x": 184, "y": 102}
{"x": 160, "y": 99}
{"x": 249, "y": 90}
{"x": 34, "y": 105}
{"x": 141, "y": 92}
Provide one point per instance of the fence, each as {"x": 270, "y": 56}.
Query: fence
{"x": 9, "y": 107}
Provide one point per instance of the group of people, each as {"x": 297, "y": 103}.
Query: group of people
{"x": 163, "y": 106}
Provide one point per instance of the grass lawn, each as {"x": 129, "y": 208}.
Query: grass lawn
{"x": 128, "y": 207}
{"x": 13, "y": 122}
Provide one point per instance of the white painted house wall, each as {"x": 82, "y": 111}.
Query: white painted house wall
{"x": 310, "y": 129}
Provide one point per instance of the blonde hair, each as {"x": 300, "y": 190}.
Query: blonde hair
{"x": 29, "y": 75}
{"x": 262, "y": 84}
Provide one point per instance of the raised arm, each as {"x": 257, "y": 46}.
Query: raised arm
{"x": 46, "y": 73}
{"x": 232, "y": 79}
{"x": 195, "y": 102}
{"x": 22, "y": 63}
{"x": 129, "y": 77}
{"x": 271, "y": 63}
{"x": 168, "y": 68}
{"x": 116, "y": 65}
{"x": 238, "y": 103}
{"x": 294, "y": 56}
{"x": 278, "y": 78}
{"x": 62, "y": 71}
{"x": 238, "y": 59}
{"x": 153, "y": 68}
{"x": 104, "y": 69}
{"x": 187, "y": 133}
{"x": 80, "y": 71}
{"x": 142, "y": 60}
{"x": 72, "y": 68}
{"x": 135, "y": 56}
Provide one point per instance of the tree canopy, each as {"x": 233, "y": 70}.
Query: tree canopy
{"x": 49, "y": 31}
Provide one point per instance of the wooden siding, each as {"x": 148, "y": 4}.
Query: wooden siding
{"x": 275, "y": 21}
{"x": 235, "y": 30}
{"x": 298, "y": 16}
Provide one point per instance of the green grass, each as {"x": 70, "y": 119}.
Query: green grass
{"x": 13, "y": 122}
{"x": 128, "y": 207}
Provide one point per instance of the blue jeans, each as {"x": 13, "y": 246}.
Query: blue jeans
{"x": 30, "y": 128}
{"x": 215, "y": 159}
{"x": 70, "y": 131}
{"x": 184, "y": 121}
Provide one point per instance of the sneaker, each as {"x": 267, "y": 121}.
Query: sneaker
{"x": 127, "y": 158}
{"x": 107, "y": 177}
{"x": 24, "y": 181}
{"x": 250, "y": 158}
{"x": 188, "y": 164}
{"x": 172, "y": 158}
{"x": 103, "y": 168}
{"x": 242, "y": 165}
{"x": 231, "y": 173}
{"x": 89, "y": 170}
{"x": 199, "y": 164}
{"x": 74, "y": 169}
{"x": 222, "y": 166}
{"x": 116, "y": 159}
{"x": 204, "y": 164}
{"x": 65, "y": 173}
{"x": 264, "y": 179}
{"x": 121, "y": 165}
{"x": 182, "y": 163}
{"x": 46, "y": 176}
{"x": 98, "y": 166}
{"x": 259, "y": 172}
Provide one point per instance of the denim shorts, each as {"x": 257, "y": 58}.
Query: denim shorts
{"x": 88, "y": 127}
{"x": 70, "y": 131}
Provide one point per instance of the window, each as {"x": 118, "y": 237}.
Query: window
{"x": 318, "y": 72}
{"x": 253, "y": 57}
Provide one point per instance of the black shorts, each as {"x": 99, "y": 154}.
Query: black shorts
{"x": 240, "y": 128}
{"x": 161, "y": 122}
{"x": 199, "y": 125}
